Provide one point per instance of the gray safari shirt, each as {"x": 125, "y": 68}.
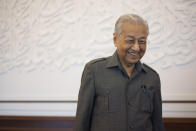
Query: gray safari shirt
{"x": 109, "y": 100}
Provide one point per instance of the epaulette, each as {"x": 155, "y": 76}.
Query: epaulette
{"x": 149, "y": 68}
{"x": 96, "y": 60}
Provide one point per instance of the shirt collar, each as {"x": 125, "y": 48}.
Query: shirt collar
{"x": 114, "y": 61}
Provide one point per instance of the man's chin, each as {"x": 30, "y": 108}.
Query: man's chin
{"x": 132, "y": 62}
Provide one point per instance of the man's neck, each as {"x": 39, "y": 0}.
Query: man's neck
{"x": 128, "y": 68}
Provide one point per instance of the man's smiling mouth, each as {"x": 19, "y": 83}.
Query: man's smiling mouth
{"x": 133, "y": 54}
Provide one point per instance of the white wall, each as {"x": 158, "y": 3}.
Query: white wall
{"x": 45, "y": 44}
{"x": 178, "y": 110}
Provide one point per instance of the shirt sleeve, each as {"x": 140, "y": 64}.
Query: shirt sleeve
{"x": 85, "y": 100}
{"x": 157, "y": 112}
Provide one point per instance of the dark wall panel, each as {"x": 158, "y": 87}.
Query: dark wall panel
{"x": 19, "y": 123}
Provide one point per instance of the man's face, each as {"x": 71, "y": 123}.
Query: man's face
{"x": 131, "y": 44}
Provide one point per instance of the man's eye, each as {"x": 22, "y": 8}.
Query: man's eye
{"x": 130, "y": 41}
{"x": 142, "y": 42}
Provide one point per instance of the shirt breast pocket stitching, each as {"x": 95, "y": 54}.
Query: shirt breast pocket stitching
{"x": 112, "y": 102}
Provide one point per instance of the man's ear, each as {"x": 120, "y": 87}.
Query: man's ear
{"x": 114, "y": 38}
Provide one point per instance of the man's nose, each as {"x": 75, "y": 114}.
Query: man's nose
{"x": 136, "y": 46}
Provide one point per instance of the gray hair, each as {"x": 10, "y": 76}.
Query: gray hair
{"x": 132, "y": 18}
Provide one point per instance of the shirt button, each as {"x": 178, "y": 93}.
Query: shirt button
{"x": 131, "y": 126}
{"x": 129, "y": 103}
{"x": 108, "y": 92}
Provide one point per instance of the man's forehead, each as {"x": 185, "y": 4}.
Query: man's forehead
{"x": 128, "y": 26}
{"x": 133, "y": 37}
{"x": 135, "y": 33}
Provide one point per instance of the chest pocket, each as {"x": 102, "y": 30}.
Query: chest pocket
{"x": 113, "y": 101}
{"x": 108, "y": 101}
{"x": 146, "y": 99}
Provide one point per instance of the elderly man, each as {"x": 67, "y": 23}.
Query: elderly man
{"x": 119, "y": 93}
